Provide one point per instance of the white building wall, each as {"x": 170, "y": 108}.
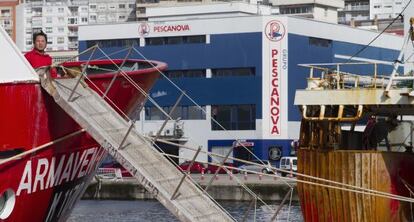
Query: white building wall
{"x": 326, "y": 14}
{"x": 213, "y": 10}
{"x": 330, "y": 3}
{"x": 385, "y": 9}
{"x": 20, "y": 20}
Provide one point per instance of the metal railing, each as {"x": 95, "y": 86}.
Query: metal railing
{"x": 331, "y": 76}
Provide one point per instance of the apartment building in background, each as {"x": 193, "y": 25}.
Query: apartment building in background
{"x": 60, "y": 20}
{"x": 8, "y": 17}
{"x": 153, "y": 10}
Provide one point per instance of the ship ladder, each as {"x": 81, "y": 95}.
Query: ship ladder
{"x": 159, "y": 176}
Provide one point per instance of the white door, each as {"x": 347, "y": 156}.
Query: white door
{"x": 221, "y": 150}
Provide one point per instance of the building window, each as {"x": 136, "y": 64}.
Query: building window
{"x": 147, "y": 1}
{"x": 131, "y": 6}
{"x": 5, "y": 12}
{"x": 49, "y": 29}
{"x": 192, "y": 73}
{"x": 60, "y": 10}
{"x": 28, "y": 41}
{"x": 84, "y": 19}
{"x": 60, "y": 40}
{"x": 175, "y": 40}
{"x": 61, "y": 29}
{"x": 122, "y": 17}
{"x": 37, "y": 30}
{"x": 121, "y": 6}
{"x": 250, "y": 71}
{"x": 196, "y": 39}
{"x": 49, "y": 10}
{"x": 93, "y": 7}
{"x": 141, "y": 10}
{"x": 73, "y": 21}
{"x": 92, "y": 18}
{"x": 61, "y": 19}
{"x": 296, "y": 10}
{"x": 234, "y": 117}
{"x": 320, "y": 42}
{"x": 113, "y": 43}
{"x": 183, "y": 112}
{"x": 84, "y": 9}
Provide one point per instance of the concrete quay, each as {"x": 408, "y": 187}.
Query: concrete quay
{"x": 223, "y": 188}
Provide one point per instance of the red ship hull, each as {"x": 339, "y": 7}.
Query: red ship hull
{"x": 47, "y": 183}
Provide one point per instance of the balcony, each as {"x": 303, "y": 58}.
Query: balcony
{"x": 356, "y": 8}
{"x": 5, "y": 15}
{"x": 73, "y": 34}
{"x": 37, "y": 24}
{"x": 7, "y": 26}
{"x": 72, "y": 21}
{"x": 73, "y": 45}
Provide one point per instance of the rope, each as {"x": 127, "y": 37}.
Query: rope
{"x": 285, "y": 171}
{"x": 192, "y": 180}
{"x": 167, "y": 115}
{"x": 41, "y": 147}
{"x": 146, "y": 95}
{"x": 200, "y": 108}
{"x": 369, "y": 192}
{"x": 290, "y": 204}
{"x": 382, "y": 32}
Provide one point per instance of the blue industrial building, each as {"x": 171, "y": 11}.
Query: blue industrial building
{"x": 228, "y": 66}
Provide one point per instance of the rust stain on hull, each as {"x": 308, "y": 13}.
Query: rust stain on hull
{"x": 381, "y": 171}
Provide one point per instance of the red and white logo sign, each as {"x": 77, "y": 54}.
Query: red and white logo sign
{"x": 275, "y": 31}
{"x": 143, "y": 29}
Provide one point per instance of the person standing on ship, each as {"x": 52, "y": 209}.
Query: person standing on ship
{"x": 37, "y": 57}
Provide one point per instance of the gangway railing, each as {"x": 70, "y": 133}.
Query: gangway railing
{"x": 113, "y": 130}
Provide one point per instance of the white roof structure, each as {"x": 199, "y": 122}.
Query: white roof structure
{"x": 14, "y": 66}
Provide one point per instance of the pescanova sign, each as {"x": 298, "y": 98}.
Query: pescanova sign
{"x": 144, "y": 28}
{"x": 274, "y": 79}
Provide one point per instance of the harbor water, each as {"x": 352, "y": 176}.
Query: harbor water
{"x": 151, "y": 210}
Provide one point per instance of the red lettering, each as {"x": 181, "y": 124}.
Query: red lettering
{"x": 274, "y": 72}
{"x": 275, "y": 82}
{"x": 171, "y": 28}
{"x": 274, "y": 52}
{"x": 275, "y": 121}
{"x": 274, "y": 111}
{"x": 275, "y": 92}
{"x": 275, "y": 130}
{"x": 275, "y": 98}
{"x": 274, "y": 101}
{"x": 274, "y": 63}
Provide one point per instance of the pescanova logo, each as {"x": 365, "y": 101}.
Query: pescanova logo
{"x": 143, "y": 29}
{"x": 275, "y": 31}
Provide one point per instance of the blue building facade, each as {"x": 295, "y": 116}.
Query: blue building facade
{"x": 226, "y": 69}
